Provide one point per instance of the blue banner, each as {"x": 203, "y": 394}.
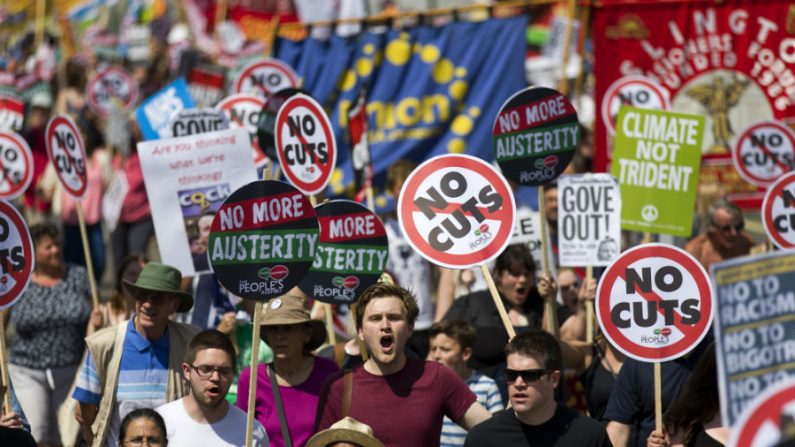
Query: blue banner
{"x": 154, "y": 115}
{"x": 430, "y": 90}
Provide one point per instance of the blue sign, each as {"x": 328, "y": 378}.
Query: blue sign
{"x": 155, "y": 114}
{"x": 430, "y": 90}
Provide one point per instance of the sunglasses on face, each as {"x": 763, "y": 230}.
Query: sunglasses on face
{"x": 728, "y": 228}
{"x": 566, "y": 287}
{"x": 527, "y": 375}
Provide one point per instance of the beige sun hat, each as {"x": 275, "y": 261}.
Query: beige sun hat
{"x": 291, "y": 309}
{"x": 346, "y": 430}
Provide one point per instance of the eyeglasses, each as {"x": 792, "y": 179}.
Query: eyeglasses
{"x": 527, "y": 375}
{"x": 728, "y": 228}
{"x": 566, "y": 287}
{"x": 206, "y": 371}
{"x": 148, "y": 440}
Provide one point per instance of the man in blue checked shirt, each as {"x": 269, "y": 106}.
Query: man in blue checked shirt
{"x": 136, "y": 364}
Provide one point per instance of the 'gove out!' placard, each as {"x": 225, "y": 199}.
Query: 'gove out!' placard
{"x": 589, "y": 220}
{"x": 263, "y": 240}
{"x": 754, "y": 327}
{"x": 656, "y": 159}
{"x": 351, "y": 255}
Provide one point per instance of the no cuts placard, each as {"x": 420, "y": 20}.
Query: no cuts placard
{"x": 305, "y": 144}
{"x": 266, "y": 127}
{"x": 16, "y": 253}
{"x": 263, "y": 240}
{"x": 264, "y": 77}
{"x": 635, "y": 91}
{"x": 654, "y": 303}
{"x": 778, "y": 212}
{"x": 764, "y": 152}
{"x": 16, "y": 165}
{"x": 765, "y": 422}
{"x": 535, "y": 136}
{"x": 351, "y": 255}
{"x": 457, "y": 211}
{"x": 67, "y": 153}
{"x": 243, "y": 112}
{"x": 111, "y": 84}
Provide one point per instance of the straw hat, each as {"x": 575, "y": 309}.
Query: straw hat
{"x": 291, "y": 309}
{"x": 161, "y": 279}
{"x": 346, "y": 430}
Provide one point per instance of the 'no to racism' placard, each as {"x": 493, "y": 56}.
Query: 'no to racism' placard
{"x": 352, "y": 253}
{"x": 67, "y": 153}
{"x": 457, "y": 211}
{"x": 16, "y": 165}
{"x": 654, "y": 303}
{"x": 754, "y": 327}
{"x": 778, "y": 212}
{"x": 589, "y": 220}
{"x": 656, "y": 159}
{"x": 535, "y": 136}
{"x": 16, "y": 253}
{"x": 263, "y": 240}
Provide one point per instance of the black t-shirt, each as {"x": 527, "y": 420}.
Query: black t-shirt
{"x": 598, "y": 384}
{"x": 16, "y": 437}
{"x": 566, "y": 428}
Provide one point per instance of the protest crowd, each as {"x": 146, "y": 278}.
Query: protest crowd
{"x": 499, "y": 224}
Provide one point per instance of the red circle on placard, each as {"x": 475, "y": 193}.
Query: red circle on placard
{"x": 301, "y": 100}
{"x": 17, "y": 189}
{"x": 50, "y": 134}
{"x": 228, "y": 103}
{"x": 506, "y": 214}
{"x": 22, "y": 278}
{"x": 132, "y": 86}
{"x": 738, "y": 144}
{"x": 765, "y": 408}
{"x": 618, "y": 84}
{"x": 275, "y": 64}
{"x": 685, "y": 263}
{"x": 767, "y": 210}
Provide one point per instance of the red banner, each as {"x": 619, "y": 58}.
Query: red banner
{"x": 732, "y": 62}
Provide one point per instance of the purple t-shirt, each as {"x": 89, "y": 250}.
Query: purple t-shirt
{"x": 404, "y": 408}
{"x": 299, "y": 402}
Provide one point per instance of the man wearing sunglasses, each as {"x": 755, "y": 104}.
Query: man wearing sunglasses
{"x": 725, "y": 237}
{"x": 535, "y": 418}
{"x": 204, "y": 417}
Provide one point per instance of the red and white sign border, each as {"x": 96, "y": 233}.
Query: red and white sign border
{"x": 27, "y": 155}
{"x": 415, "y": 239}
{"x": 618, "y": 84}
{"x": 767, "y": 210}
{"x": 777, "y": 396}
{"x": 326, "y": 169}
{"x": 132, "y": 85}
{"x": 627, "y": 346}
{"x": 27, "y": 253}
{"x": 276, "y": 64}
{"x": 738, "y": 163}
{"x": 67, "y": 121}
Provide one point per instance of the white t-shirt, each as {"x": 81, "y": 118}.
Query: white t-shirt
{"x": 229, "y": 431}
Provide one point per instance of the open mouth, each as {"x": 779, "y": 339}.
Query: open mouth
{"x": 387, "y": 343}
{"x": 521, "y": 291}
{"x": 213, "y": 391}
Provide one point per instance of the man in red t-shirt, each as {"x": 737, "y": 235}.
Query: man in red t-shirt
{"x": 402, "y": 398}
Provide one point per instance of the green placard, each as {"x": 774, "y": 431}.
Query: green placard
{"x": 656, "y": 159}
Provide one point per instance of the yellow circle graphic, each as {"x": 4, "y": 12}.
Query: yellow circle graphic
{"x": 443, "y": 71}
{"x": 474, "y": 111}
{"x": 398, "y": 52}
{"x": 364, "y": 67}
{"x": 462, "y": 125}
{"x": 380, "y": 201}
{"x": 461, "y": 72}
{"x": 336, "y": 181}
{"x": 369, "y": 48}
{"x": 456, "y": 146}
{"x": 430, "y": 54}
{"x": 458, "y": 90}
{"x": 348, "y": 80}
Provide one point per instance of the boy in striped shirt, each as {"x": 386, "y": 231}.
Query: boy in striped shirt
{"x": 451, "y": 344}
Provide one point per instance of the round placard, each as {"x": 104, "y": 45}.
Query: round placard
{"x": 535, "y": 136}
{"x": 266, "y": 128}
{"x": 764, "y": 152}
{"x": 654, "y": 303}
{"x": 457, "y": 211}
{"x": 243, "y": 112}
{"x": 16, "y": 165}
{"x": 265, "y": 76}
{"x": 16, "y": 251}
{"x": 67, "y": 153}
{"x": 111, "y": 84}
{"x": 778, "y": 212}
{"x": 634, "y": 91}
{"x": 352, "y": 253}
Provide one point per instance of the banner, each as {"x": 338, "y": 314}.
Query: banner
{"x": 430, "y": 90}
{"x": 187, "y": 179}
{"x": 730, "y": 61}
{"x": 754, "y": 327}
{"x": 657, "y": 163}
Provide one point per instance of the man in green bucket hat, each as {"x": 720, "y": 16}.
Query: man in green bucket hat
{"x": 136, "y": 364}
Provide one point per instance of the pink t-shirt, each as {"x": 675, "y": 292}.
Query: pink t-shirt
{"x": 299, "y": 402}
{"x": 403, "y": 409}
{"x": 136, "y": 205}
{"x": 92, "y": 199}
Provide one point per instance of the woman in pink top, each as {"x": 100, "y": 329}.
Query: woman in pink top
{"x": 292, "y": 335}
